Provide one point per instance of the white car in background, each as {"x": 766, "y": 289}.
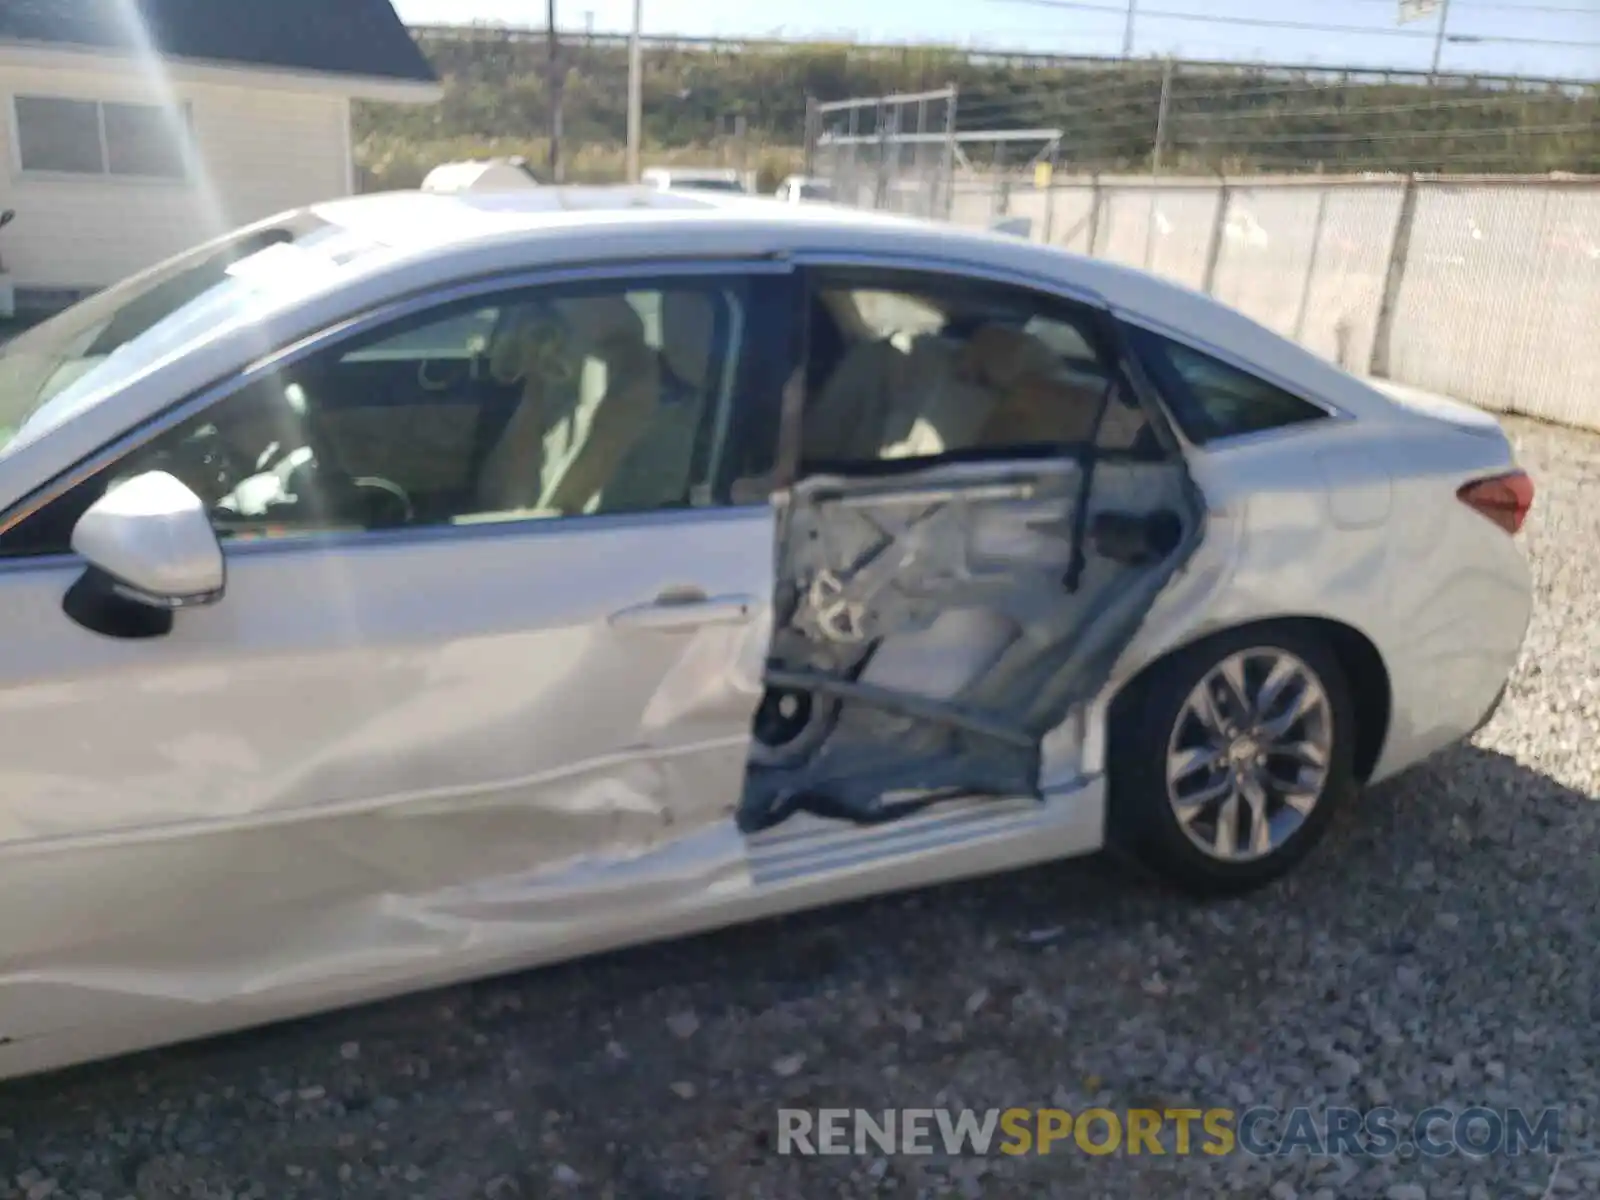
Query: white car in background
{"x": 802, "y": 189}
{"x": 415, "y": 587}
{"x": 694, "y": 179}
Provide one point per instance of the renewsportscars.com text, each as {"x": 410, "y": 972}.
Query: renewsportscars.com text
{"x": 1434, "y": 1132}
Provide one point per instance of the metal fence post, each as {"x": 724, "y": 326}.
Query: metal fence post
{"x": 881, "y": 189}
{"x": 1000, "y": 201}
{"x": 1311, "y": 262}
{"x": 1399, "y": 250}
{"x": 947, "y": 165}
{"x": 1050, "y": 195}
{"x": 1156, "y": 147}
{"x": 1214, "y": 245}
{"x": 1094, "y": 214}
{"x": 1150, "y": 228}
{"x": 1168, "y": 71}
{"x": 812, "y": 132}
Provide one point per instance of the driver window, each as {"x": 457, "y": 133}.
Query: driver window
{"x": 541, "y": 404}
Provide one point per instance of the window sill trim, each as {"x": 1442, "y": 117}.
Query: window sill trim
{"x": 102, "y": 178}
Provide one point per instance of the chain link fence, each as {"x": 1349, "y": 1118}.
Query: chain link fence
{"x": 894, "y": 153}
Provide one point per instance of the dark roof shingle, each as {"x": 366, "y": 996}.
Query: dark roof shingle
{"x": 340, "y": 37}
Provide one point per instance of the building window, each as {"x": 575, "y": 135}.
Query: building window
{"x": 90, "y": 137}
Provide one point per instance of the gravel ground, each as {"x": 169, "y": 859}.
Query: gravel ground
{"x": 1438, "y": 950}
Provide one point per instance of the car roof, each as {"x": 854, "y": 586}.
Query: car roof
{"x": 463, "y": 234}
{"x": 425, "y": 242}
{"x": 528, "y": 228}
{"x": 417, "y": 216}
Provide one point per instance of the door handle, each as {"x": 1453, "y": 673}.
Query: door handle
{"x": 686, "y": 608}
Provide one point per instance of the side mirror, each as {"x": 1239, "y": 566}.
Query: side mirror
{"x": 1021, "y": 227}
{"x": 151, "y": 538}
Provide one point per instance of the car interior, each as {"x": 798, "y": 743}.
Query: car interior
{"x": 592, "y": 403}
{"x": 984, "y": 514}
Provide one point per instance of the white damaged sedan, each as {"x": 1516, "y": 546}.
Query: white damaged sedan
{"x": 416, "y": 587}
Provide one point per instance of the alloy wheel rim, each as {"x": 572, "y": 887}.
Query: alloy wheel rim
{"x": 1249, "y": 753}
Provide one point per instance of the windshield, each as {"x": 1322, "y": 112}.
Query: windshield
{"x": 58, "y": 368}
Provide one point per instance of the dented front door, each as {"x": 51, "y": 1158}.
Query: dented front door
{"x": 364, "y": 761}
{"x": 377, "y": 762}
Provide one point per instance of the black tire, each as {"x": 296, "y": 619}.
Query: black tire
{"x": 1141, "y": 822}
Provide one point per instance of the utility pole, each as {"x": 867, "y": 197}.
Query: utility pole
{"x": 557, "y": 90}
{"x": 1167, "y": 69}
{"x": 1127, "y": 32}
{"x": 635, "y": 91}
{"x": 813, "y": 130}
{"x": 1438, "y": 40}
{"x": 741, "y": 144}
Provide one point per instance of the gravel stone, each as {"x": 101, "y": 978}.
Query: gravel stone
{"x": 565, "y": 1176}
{"x": 789, "y": 1064}
{"x": 1438, "y": 949}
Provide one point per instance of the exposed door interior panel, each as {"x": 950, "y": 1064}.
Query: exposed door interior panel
{"x": 983, "y": 514}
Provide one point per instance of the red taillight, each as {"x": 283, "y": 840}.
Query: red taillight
{"x": 1504, "y": 499}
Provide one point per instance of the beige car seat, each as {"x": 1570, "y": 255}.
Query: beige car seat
{"x": 656, "y": 471}
{"x": 590, "y": 383}
{"x": 1036, "y": 401}
{"x": 930, "y": 395}
{"x": 844, "y": 423}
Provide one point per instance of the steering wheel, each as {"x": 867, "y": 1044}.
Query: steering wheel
{"x": 388, "y": 495}
{"x": 201, "y": 460}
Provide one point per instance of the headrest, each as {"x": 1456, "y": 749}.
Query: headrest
{"x": 550, "y": 341}
{"x": 998, "y": 356}
{"x": 594, "y": 321}
{"x": 688, "y": 333}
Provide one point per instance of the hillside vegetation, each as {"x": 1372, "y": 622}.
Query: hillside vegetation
{"x": 497, "y": 102}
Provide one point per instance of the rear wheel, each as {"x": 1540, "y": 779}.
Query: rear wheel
{"x": 1229, "y": 758}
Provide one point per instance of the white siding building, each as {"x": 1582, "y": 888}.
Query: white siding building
{"x": 124, "y": 145}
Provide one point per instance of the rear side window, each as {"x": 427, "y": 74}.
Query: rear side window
{"x": 908, "y": 366}
{"x": 1212, "y": 399}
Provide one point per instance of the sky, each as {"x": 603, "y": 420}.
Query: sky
{"x": 1552, "y": 33}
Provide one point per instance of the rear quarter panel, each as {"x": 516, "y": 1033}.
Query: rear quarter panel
{"x": 1357, "y": 522}
{"x": 1462, "y": 594}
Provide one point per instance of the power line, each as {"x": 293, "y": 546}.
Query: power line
{"x": 676, "y": 43}
{"x": 987, "y": 102}
{"x": 1286, "y": 87}
{"x": 1495, "y": 6}
{"x": 1050, "y": 104}
{"x": 1488, "y": 6}
{"x": 1305, "y": 26}
{"x": 1102, "y": 129}
{"x": 1385, "y": 136}
{"x": 1369, "y": 111}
